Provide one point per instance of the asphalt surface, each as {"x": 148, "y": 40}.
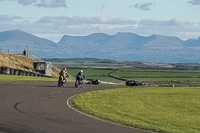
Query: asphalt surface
{"x": 43, "y": 109}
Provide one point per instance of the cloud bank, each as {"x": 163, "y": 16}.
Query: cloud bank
{"x": 53, "y": 28}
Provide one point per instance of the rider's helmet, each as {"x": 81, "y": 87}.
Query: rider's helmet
{"x": 81, "y": 71}
{"x": 64, "y": 68}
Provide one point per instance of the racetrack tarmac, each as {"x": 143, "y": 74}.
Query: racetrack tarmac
{"x": 43, "y": 109}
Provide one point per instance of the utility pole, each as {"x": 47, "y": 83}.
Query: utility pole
{"x": 27, "y": 51}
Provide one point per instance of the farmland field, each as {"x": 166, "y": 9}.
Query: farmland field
{"x": 101, "y": 74}
{"x": 185, "y": 75}
{"x": 167, "y": 78}
{"x": 161, "y": 77}
{"x": 128, "y": 73}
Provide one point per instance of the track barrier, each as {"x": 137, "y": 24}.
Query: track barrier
{"x": 5, "y": 70}
{"x": 16, "y": 72}
{"x": 11, "y": 71}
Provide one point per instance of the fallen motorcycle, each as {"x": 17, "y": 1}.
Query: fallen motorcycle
{"x": 133, "y": 83}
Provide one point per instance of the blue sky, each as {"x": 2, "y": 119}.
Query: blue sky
{"x": 51, "y": 19}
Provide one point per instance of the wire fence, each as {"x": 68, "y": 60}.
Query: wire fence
{"x": 11, "y": 51}
{"x": 11, "y": 71}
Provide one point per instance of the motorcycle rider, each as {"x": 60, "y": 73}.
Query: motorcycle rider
{"x": 80, "y": 76}
{"x": 64, "y": 74}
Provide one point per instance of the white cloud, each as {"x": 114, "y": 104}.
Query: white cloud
{"x": 53, "y": 28}
{"x": 9, "y": 18}
{"x": 175, "y": 27}
{"x": 144, "y": 6}
{"x": 26, "y": 2}
{"x": 78, "y": 20}
{"x": 42, "y": 3}
{"x": 178, "y": 22}
{"x": 52, "y": 3}
{"x": 194, "y": 2}
{"x": 7, "y": 0}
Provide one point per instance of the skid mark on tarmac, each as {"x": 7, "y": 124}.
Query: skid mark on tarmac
{"x": 16, "y": 108}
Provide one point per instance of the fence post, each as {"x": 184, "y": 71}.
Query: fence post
{"x": 27, "y": 51}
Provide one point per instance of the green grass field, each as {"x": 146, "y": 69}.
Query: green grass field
{"x": 182, "y": 78}
{"x": 101, "y": 74}
{"x": 15, "y": 78}
{"x": 174, "y": 110}
{"x": 130, "y": 73}
{"x": 166, "y": 78}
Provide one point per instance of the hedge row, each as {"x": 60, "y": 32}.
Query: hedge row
{"x": 115, "y": 77}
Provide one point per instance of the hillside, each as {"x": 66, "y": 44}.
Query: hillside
{"x": 21, "y": 63}
{"x": 16, "y": 41}
{"x": 123, "y": 46}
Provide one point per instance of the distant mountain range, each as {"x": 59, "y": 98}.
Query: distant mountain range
{"x": 121, "y": 47}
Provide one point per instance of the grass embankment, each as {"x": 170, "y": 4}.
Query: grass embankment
{"x": 21, "y": 63}
{"x": 174, "y": 110}
{"x": 16, "y": 62}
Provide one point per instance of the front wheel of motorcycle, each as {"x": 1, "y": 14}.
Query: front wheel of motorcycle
{"x": 76, "y": 84}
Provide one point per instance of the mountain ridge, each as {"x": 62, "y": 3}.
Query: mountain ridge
{"x": 123, "y": 46}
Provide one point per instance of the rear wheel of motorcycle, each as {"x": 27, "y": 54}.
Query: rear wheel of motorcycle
{"x": 58, "y": 83}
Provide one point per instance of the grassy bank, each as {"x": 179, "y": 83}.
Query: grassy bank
{"x": 16, "y": 62}
{"x": 21, "y": 63}
{"x": 173, "y": 110}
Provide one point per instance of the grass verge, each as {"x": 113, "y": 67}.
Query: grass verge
{"x": 19, "y": 79}
{"x": 174, "y": 110}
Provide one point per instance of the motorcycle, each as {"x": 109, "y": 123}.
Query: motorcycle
{"x": 79, "y": 83}
{"x": 133, "y": 83}
{"x": 61, "y": 81}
